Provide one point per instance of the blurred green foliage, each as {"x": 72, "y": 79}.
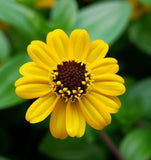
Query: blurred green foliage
{"x": 66, "y": 9}
{"x": 95, "y": 19}
{"x": 3, "y": 158}
{"x": 135, "y": 139}
{"x": 9, "y": 73}
{"x": 147, "y": 2}
{"x": 139, "y": 33}
{"x": 71, "y": 148}
{"x": 5, "y": 47}
{"x": 130, "y": 43}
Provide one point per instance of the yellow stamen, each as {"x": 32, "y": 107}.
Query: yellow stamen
{"x": 60, "y": 91}
{"x": 56, "y": 73}
{"x": 65, "y": 89}
{"x": 68, "y": 92}
{"x": 74, "y": 91}
{"x": 87, "y": 79}
{"x": 83, "y": 82}
{"x": 58, "y": 83}
{"x": 81, "y": 91}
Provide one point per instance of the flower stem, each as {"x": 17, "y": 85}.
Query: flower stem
{"x": 111, "y": 145}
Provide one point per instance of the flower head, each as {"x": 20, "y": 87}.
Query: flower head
{"x": 72, "y": 81}
{"x": 138, "y": 9}
{"x": 46, "y": 4}
{"x": 3, "y": 26}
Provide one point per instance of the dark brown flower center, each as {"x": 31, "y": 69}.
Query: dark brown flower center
{"x": 71, "y": 79}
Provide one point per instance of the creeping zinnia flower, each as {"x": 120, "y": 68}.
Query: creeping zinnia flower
{"x": 138, "y": 9}
{"x": 3, "y": 26}
{"x": 72, "y": 81}
{"x": 46, "y": 4}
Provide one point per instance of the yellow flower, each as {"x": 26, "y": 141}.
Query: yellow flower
{"x": 73, "y": 81}
{"x": 138, "y": 9}
{"x": 3, "y": 26}
{"x": 46, "y": 4}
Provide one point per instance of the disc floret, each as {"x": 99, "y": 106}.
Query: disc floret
{"x": 70, "y": 80}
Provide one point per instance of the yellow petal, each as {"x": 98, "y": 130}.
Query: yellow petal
{"x": 106, "y": 65}
{"x": 98, "y": 50}
{"x": 108, "y": 84}
{"x": 79, "y": 44}
{"x": 41, "y": 108}
{"x": 58, "y": 41}
{"x": 108, "y": 77}
{"x": 110, "y": 88}
{"x": 111, "y": 104}
{"x": 30, "y": 91}
{"x": 95, "y": 115}
{"x": 40, "y": 57}
{"x": 47, "y": 49}
{"x": 46, "y": 4}
{"x": 32, "y": 80}
{"x": 58, "y": 120}
{"x": 75, "y": 122}
{"x": 100, "y": 108}
{"x": 30, "y": 68}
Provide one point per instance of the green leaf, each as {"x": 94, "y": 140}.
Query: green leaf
{"x": 126, "y": 113}
{"x": 28, "y": 2}
{"x": 18, "y": 43}
{"x": 70, "y": 149}
{"x": 136, "y": 145}
{"x": 63, "y": 14}
{"x": 4, "y": 158}
{"x": 147, "y": 2}
{"x": 23, "y": 18}
{"x": 9, "y": 73}
{"x": 104, "y": 20}
{"x": 91, "y": 134}
{"x": 130, "y": 107}
{"x": 140, "y": 33}
{"x": 142, "y": 91}
{"x": 4, "y": 47}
